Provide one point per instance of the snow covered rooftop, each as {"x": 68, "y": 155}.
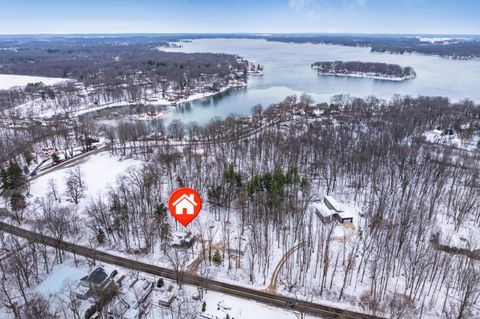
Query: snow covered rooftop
{"x": 335, "y": 205}
{"x": 95, "y": 277}
{"x": 320, "y": 208}
{"x": 346, "y": 214}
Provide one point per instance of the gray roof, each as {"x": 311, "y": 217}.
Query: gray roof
{"x": 96, "y": 277}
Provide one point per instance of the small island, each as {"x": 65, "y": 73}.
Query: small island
{"x": 373, "y": 70}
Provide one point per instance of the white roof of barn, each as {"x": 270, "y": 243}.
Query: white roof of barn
{"x": 346, "y": 215}
{"x": 322, "y": 209}
{"x": 338, "y": 207}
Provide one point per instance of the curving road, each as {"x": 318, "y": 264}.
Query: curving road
{"x": 311, "y": 308}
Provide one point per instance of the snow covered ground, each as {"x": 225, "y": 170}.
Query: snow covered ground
{"x": 67, "y": 275}
{"x": 218, "y": 306}
{"x": 99, "y": 171}
{"x": 438, "y": 137}
{"x": 466, "y": 236}
{"x": 61, "y": 276}
{"x": 8, "y": 81}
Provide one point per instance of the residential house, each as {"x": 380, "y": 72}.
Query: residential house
{"x": 96, "y": 280}
{"x": 333, "y": 210}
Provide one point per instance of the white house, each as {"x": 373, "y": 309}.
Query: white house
{"x": 185, "y": 205}
{"x": 336, "y": 210}
{"x": 320, "y": 209}
{"x": 332, "y": 204}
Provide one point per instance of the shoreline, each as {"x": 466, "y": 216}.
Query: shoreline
{"x": 367, "y": 76}
{"x": 161, "y": 102}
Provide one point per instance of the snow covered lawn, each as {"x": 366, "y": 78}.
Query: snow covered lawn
{"x": 61, "y": 276}
{"x": 8, "y": 81}
{"x": 99, "y": 172}
{"x": 218, "y": 306}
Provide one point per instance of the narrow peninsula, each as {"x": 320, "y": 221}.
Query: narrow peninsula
{"x": 373, "y": 70}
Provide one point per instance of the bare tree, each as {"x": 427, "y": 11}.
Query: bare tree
{"x": 178, "y": 259}
{"x": 75, "y": 185}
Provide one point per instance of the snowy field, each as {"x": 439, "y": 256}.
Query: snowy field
{"x": 61, "y": 276}
{"x": 218, "y": 306}
{"x": 8, "y": 81}
{"x": 99, "y": 172}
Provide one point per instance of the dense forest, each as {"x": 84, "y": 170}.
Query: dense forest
{"x": 259, "y": 174}
{"x": 455, "y": 48}
{"x": 364, "y": 68}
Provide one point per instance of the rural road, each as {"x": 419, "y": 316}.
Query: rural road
{"x": 270, "y": 299}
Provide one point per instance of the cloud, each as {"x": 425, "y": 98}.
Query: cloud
{"x": 309, "y": 5}
{"x": 300, "y": 4}
{"x": 361, "y": 2}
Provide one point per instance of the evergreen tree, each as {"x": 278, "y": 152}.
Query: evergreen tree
{"x": 55, "y": 158}
{"x": 160, "y": 283}
{"x": 17, "y": 201}
{"x": 161, "y": 211}
{"x": 4, "y": 177}
{"x": 217, "y": 259}
{"x": 13, "y": 183}
{"x": 16, "y": 178}
{"x": 180, "y": 182}
{"x": 165, "y": 231}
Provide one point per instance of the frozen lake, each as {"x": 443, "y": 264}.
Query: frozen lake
{"x": 288, "y": 71}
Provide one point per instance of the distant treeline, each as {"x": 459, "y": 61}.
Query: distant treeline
{"x": 459, "y": 47}
{"x": 367, "y": 68}
{"x": 454, "y": 48}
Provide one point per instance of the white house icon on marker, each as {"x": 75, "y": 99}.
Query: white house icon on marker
{"x": 185, "y": 205}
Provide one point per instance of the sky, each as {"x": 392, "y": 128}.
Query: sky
{"x": 246, "y": 16}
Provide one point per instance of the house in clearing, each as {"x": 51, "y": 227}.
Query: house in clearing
{"x": 183, "y": 239}
{"x": 165, "y": 296}
{"x": 337, "y": 210}
{"x": 325, "y": 215}
{"x": 332, "y": 210}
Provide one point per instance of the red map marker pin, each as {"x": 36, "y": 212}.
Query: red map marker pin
{"x": 184, "y": 205}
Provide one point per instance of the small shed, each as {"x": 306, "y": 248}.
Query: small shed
{"x": 344, "y": 217}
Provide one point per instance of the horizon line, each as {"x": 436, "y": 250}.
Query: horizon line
{"x": 236, "y": 33}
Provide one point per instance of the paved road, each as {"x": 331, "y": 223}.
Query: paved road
{"x": 315, "y": 309}
{"x": 155, "y": 144}
{"x": 70, "y": 161}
